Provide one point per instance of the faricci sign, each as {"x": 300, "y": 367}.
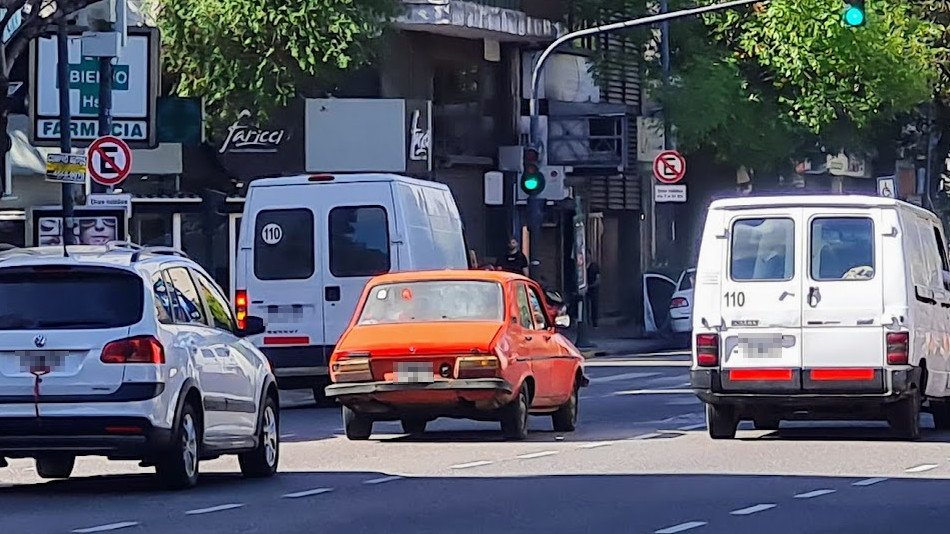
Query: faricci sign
{"x": 252, "y": 147}
{"x": 135, "y": 83}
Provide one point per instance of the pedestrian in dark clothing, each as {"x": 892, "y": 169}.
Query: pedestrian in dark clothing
{"x": 514, "y": 261}
{"x": 593, "y": 290}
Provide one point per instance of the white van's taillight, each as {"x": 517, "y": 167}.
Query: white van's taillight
{"x": 707, "y": 350}
{"x": 139, "y": 349}
{"x": 240, "y": 308}
{"x": 898, "y": 348}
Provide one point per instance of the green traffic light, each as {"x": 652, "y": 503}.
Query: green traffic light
{"x": 531, "y": 183}
{"x": 854, "y": 16}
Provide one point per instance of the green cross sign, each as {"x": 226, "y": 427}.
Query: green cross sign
{"x": 84, "y": 76}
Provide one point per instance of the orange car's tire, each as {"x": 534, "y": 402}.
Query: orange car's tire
{"x": 358, "y": 427}
{"x": 514, "y": 417}
{"x": 565, "y": 418}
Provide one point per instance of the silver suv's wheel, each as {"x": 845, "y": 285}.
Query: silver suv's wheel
{"x": 262, "y": 461}
{"x": 178, "y": 467}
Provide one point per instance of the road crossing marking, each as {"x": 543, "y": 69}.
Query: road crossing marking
{"x": 219, "y": 508}
{"x": 470, "y": 465}
{"x": 308, "y": 493}
{"x": 697, "y": 426}
{"x": 815, "y": 493}
{"x": 382, "y": 480}
{"x": 534, "y": 455}
{"x": 753, "y": 509}
{"x": 106, "y": 528}
{"x": 868, "y": 482}
{"x": 681, "y": 527}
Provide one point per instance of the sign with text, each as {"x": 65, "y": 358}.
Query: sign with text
{"x": 66, "y": 168}
{"x": 252, "y": 147}
{"x": 101, "y": 200}
{"x": 669, "y": 193}
{"x": 669, "y": 167}
{"x": 135, "y": 84}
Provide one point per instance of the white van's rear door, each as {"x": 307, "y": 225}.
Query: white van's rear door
{"x": 843, "y": 296}
{"x": 761, "y": 296}
{"x": 284, "y": 279}
{"x": 357, "y": 235}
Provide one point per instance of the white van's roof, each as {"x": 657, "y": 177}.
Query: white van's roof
{"x": 823, "y": 201}
{"x": 304, "y": 179}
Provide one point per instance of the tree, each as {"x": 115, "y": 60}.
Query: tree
{"x": 259, "y": 54}
{"x": 36, "y": 18}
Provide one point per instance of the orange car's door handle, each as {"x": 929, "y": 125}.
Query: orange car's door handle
{"x": 547, "y": 338}
{"x": 528, "y": 338}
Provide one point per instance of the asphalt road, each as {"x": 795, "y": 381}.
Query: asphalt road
{"x": 640, "y": 462}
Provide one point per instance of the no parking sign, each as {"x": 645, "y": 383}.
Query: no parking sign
{"x": 110, "y": 160}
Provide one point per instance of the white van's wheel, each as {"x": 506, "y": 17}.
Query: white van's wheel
{"x": 721, "y": 421}
{"x": 904, "y": 417}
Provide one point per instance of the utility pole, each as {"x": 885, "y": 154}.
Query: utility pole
{"x": 106, "y": 44}
{"x": 65, "y": 132}
{"x": 535, "y": 134}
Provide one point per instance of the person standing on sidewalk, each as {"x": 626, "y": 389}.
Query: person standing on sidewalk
{"x": 514, "y": 261}
{"x": 593, "y": 290}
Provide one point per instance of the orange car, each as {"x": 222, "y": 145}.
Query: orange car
{"x": 463, "y": 344}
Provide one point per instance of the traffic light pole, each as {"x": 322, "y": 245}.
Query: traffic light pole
{"x": 535, "y": 125}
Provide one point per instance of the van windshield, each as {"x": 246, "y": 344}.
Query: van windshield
{"x": 763, "y": 249}
{"x": 433, "y": 301}
{"x": 69, "y": 298}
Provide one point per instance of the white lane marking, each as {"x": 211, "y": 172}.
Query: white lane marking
{"x": 470, "y": 465}
{"x": 219, "y": 508}
{"x": 921, "y": 468}
{"x": 288, "y": 435}
{"x": 534, "y": 455}
{"x": 596, "y": 444}
{"x": 623, "y": 376}
{"x": 106, "y": 528}
{"x": 815, "y": 493}
{"x": 382, "y": 480}
{"x": 672, "y": 391}
{"x": 681, "y": 527}
{"x": 307, "y": 493}
{"x": 868, "y": 482}
{"x": 651, "y": 435}
{"x": 697, "y": 426}
{"x": 753, "y": 509}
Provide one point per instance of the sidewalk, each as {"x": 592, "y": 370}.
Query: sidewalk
{"x": 622, "y": 339}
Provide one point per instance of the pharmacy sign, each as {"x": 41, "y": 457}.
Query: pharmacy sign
{"x": 135, "y": 83}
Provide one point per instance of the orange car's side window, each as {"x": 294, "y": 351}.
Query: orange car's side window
{"x": 540, "y": 320}
{"x": 524, "y": 310}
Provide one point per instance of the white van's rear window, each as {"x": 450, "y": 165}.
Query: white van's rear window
{"x": 763, "y": 249}
{"x": 842, "y": 248}
{"x": 359, "y": 241}
{"x": 283, "y": 244}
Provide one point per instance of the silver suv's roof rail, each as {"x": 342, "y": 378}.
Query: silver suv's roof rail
{"x": 122, "y": 245}
{"x": 158, "y": 251}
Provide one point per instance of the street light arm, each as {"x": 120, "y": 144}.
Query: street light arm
{"x": 614, "y": 26}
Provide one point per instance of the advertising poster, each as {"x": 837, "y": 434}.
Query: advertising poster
{"x": 89, "y": 226}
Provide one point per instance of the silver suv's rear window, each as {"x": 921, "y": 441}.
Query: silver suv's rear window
{"x": 63, "y": 297}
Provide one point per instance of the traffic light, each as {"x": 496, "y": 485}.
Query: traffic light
{"x": 532, "y": 180}
{"x": 855, "y": 13}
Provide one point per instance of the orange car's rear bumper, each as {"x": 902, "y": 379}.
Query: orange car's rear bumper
{"x": 482, "y": 392}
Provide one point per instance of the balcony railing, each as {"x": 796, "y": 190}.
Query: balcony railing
{"x": 506, "y": 4}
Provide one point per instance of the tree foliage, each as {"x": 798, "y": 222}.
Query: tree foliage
{"x": 760, "y": 86}
{"x": 259, "y": 54}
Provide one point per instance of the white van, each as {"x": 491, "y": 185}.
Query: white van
{"x": 308, "y": 245}
{"x": 832, "y": 307}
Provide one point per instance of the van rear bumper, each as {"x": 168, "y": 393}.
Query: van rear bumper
{"x": 801, "y": 391}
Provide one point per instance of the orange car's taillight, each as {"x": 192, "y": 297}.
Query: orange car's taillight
{"x": 351, "y": 370}
{"x": 485, "y": 366}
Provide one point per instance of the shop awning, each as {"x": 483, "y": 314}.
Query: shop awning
{"x": 473, "y": 20}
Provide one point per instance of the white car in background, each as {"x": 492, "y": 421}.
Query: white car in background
{"x": 681, "y": 305}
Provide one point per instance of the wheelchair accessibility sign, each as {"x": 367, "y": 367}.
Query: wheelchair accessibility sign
{"x": 886, "y": 187}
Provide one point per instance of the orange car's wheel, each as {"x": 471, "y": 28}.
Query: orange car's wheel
{"x": 358, "y": 427}
{"x": 514, "y": 417}
{"x": 565, "y": 418}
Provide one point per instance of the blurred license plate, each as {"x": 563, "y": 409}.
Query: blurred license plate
{"x": 414, "y": 373}
{"x": 764, "y": 346}
{"x": 45, "y": 361}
